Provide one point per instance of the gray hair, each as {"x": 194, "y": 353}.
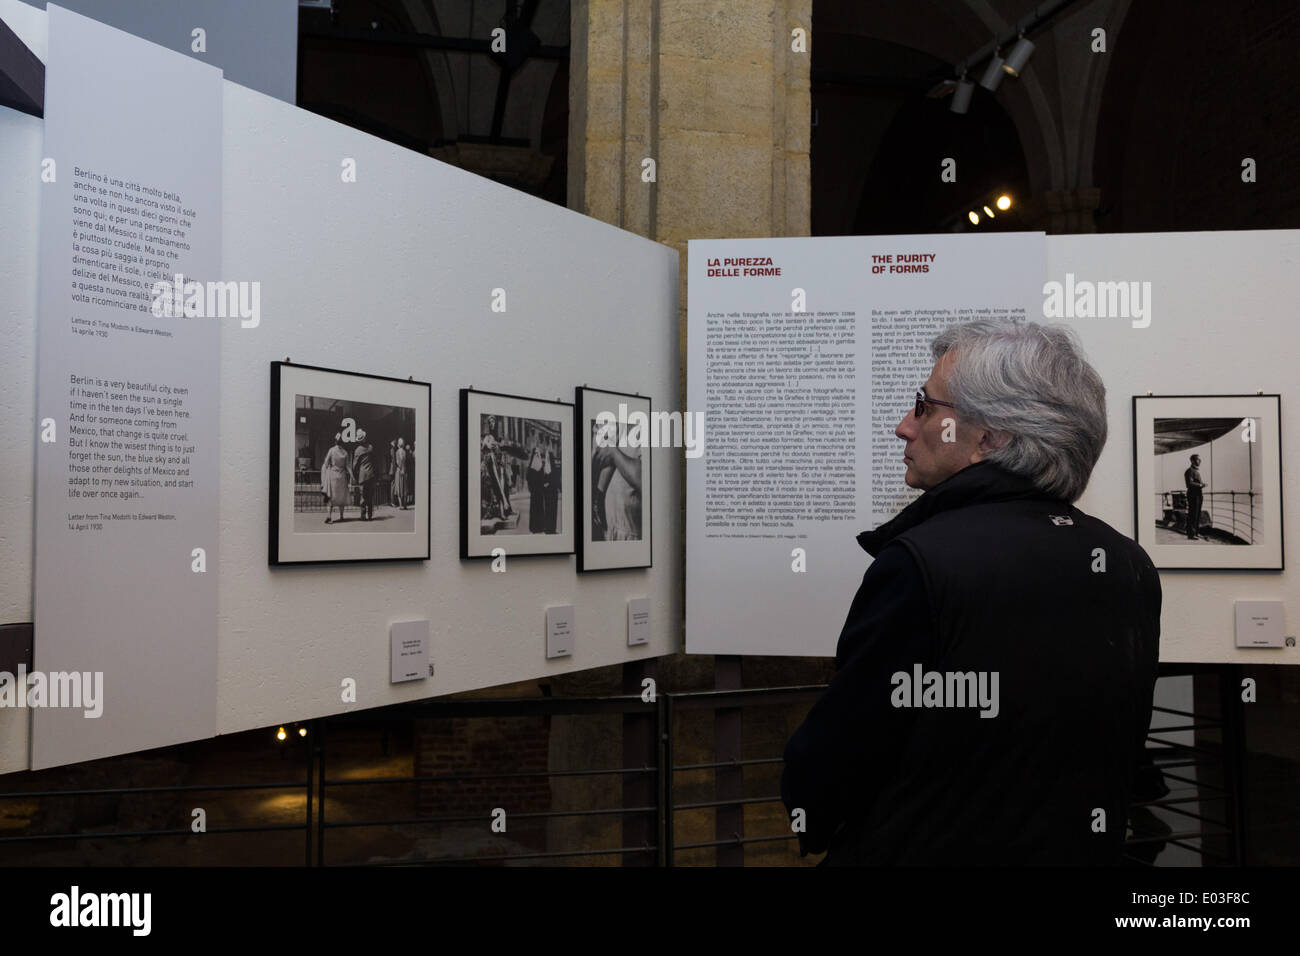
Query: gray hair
{"x": 1034, "y": 383}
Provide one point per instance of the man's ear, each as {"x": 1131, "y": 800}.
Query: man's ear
{"x": 990, "y": 441}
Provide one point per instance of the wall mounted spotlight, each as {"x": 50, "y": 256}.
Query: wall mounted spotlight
{"x": 974, "y": 217}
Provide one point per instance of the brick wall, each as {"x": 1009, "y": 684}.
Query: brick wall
{"x": 478, "y": 745}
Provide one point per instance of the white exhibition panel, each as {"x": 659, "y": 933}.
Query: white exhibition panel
{"x": 801, "y": 401}
{"x": 390, "y": 275}
{"x": 1223, "y": 321}
{"x": 1219, "y": 320}
{"x": 129, "y": 492}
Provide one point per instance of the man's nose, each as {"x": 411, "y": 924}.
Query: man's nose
{"x": 906, "y": 427}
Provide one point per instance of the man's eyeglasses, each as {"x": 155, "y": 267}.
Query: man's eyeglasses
{"x": 923, "y": 399}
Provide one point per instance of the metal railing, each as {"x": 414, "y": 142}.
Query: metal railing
{"x": 645, "y": 825}
{"x": 1231, "y": 512}
{"x": 1218, "y": 837}
{"x": 119, "y": 792}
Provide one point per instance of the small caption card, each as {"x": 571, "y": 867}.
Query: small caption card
{"x": 559, "y": 631}
{"x": 1260, "y": 623}
{"x": 410, "y": 650}
{"x": 638, "y": 621}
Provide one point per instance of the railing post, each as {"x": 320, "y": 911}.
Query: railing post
{"x": 310, "y": 748}
{"x": 729, "y": 784}
{"x": 319, "y": 737}
{"x": 640, "y": 749}
{"x": 668, "y": 788}
{"x": 1233, "y": 734}
{"x": 661, "y": 776}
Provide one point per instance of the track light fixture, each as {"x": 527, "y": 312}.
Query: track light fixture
{"x": 993, "y": 73}
{"x": 962, "y": 94}
{"x": 990, "y": 54}
{"x": 1018, "y": 57}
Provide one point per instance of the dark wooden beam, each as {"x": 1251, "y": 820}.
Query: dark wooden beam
{"x": 22, "y": 75}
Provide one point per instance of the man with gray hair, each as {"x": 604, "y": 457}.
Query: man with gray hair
{"x": 991, "y": 579}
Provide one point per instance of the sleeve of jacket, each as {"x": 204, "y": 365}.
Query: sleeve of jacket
{"x": 849, "y": 743}
{"x": 1148, "y": 781}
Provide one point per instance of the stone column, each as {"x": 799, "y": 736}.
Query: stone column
{"x": 714, "y": 94}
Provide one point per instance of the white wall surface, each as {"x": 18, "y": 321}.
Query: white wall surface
{"x": 1223, "y": 321}
{"x": 390, "y": 275}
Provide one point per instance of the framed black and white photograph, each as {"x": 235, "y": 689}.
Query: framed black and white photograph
{"x": 349, "y": 466}
{"x": 613, "y": 454}
{"x": 517, "y": 479}
{"x": 1208, "y": 480}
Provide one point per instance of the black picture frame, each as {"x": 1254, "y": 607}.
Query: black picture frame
{"x": 611, "y": 555}
{"x": 526, "y": 421}
{"x": 1243, "y": 530}
{"x": 291, "y": 540}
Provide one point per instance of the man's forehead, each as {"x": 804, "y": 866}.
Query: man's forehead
{"x": 937, "y": 384}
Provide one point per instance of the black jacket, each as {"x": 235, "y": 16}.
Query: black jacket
{"x": 983, "y": 574}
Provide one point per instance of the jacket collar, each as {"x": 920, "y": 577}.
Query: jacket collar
{"x": 979, "y": 483}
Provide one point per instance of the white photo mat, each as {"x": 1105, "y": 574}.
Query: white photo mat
{"x": 609, "y": 555}
{"x": 1267, "y": 552}
{"x": 475, "y": 544}
{"x": 301, "y": 547}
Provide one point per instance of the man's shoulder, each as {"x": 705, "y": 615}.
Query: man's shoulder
{"x": 1004, "y": 524}
{"x": 1032, "y": 510}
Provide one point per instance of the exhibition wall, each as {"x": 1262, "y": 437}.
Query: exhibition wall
{"x": 393, "y": 275}
{"x": 1222, "y": 322}
{"x": 1208, "y": 314}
